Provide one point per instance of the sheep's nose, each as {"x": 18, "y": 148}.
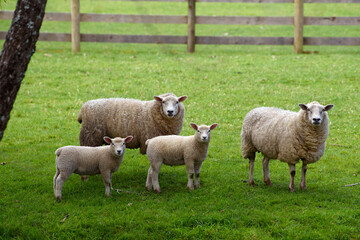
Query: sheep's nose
{"x": 170, "y": 111}
{"x": 316, "y": 120}
{"x": 119, "y": 152}
{"x": 204, "y": 137}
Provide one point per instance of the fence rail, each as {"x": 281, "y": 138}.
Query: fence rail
{"x": 164, "y": 39}
{"x": 169, "y": 19}
{"x": 299, "y": 20}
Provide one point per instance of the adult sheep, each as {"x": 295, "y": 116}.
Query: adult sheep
{"x": 286, "y": 136}
{"x": 124, "y": 117}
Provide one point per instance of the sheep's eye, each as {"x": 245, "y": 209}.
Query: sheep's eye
{"x": 209, "y": 131}
{"x": 112, "y": 144}
{"x": 177, "y": 102}
{"x": 198, "y": 131}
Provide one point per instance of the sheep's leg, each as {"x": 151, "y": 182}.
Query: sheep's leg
{"x": 292, "y": 177}
{"x": 59, "y": 184}
{"x": 251, "y": 170}
{"x": 106, "y": 176}
{"x": 266, "y": 171}
{"x": 143, "y": 148}
{"x": 149, "y": 180}
{"x": 190, "y": 171}
{"x": 303, "y": 175}
{"x": 111, "y": 187}
{"x": 197, "y": 175}
{"x": 55, "y": 177}
{"x": 90, "y": 136}
{"x": 155, "y": 176}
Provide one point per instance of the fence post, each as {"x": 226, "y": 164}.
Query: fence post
{"x": 191, "y": 26}
{"x": 298, "y": 26}
{"x": 75, "y": 25}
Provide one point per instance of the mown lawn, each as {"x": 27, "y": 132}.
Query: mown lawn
{"x": 222, "y": 84}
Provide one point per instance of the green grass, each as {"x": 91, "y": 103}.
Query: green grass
{"x": 222, "y": 84}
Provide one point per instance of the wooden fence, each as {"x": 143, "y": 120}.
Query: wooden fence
{"x": 191, "y": 20}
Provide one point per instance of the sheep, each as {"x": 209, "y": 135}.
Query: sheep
{"x": 178, "y": 150}
{"x": 122, "y": 117}
{"x": 89, "y": 160}
{"x": 286, "y": 136}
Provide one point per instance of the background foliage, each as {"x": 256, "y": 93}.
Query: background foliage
{"x": 222, "y": 84}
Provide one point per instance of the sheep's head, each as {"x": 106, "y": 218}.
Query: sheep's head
{"x": 170, "y": 104}
{"x": 315, "y": 112}
{"x": 203, "y": 132}
{"x": 118, "y": 145}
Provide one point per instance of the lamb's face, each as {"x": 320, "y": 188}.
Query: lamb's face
{"x": 315, "y": 112}
{"x": 203, "y": 132}
{"x": 118, "y": 145}
{"x": 170, "y": 104}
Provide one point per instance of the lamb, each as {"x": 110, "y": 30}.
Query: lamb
{"x": 89, "y": 160}
{"x": 178, "y": 150}
{"x": 286, "y": 136}
{"x": 122, "y": 117}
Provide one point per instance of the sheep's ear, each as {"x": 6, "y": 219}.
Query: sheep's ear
{"x": 303, "y": 107}
{"x": 128, "y": 139}
{"x": 213, "y": 126}
{"x": 194, "y": 126}
{"x": 107, "y": 140}
{"x": 157, "y": 98}
{"x": 181, "y": 99}
{"x": 328, "y": 107}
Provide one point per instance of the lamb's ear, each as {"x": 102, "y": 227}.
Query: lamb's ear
{"x": 157, "y": 98}
{"x": 128, "y": 139}
{"x": 328, "y": 107}
{"x": 213, "y": 126}
{"x": 182, "y": 98}
{"x": 303, "y": 107}
{"x": 194, "y": 126}
{"x": 107, "y": 140}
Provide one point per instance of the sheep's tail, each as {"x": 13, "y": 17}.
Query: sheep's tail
{"x": 79, "y": 118}
{"x": 147, "y": 142}
{"x": 58, "y": 152}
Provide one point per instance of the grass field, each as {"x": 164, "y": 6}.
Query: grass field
{"x": 222, "y": 84}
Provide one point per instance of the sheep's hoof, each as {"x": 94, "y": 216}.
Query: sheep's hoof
{"x": 158, "y": 190}
{"x": 84, "y": 178}
{"x": 252, "y": 183}
{"x": 303, "y": 187}
{"x": 292, "y": 189}
{"x": 197, "y": 185}
{"x": 149, "y": 188}
{"x": 191, "y": 188}
{"x": 58, "y": 199}
{"x": 268, "y": 182}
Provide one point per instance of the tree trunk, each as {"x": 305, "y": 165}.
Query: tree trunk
{"x": 18, "y": 48}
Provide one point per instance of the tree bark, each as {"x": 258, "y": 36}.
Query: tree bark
{"x": 15, "y": 56}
